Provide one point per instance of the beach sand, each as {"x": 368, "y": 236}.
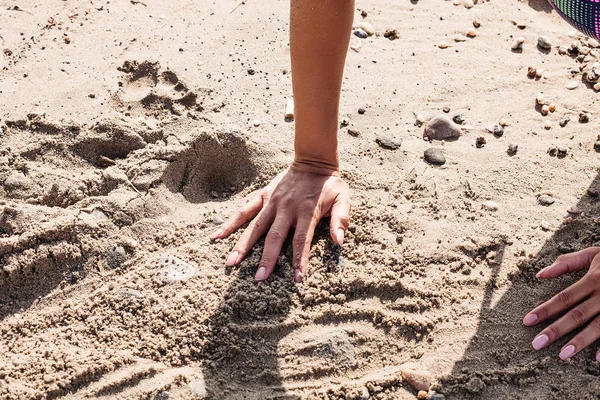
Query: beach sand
{"x": 130, "y": 129}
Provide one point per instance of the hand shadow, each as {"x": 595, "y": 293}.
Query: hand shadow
{"x": 499, "y": 362}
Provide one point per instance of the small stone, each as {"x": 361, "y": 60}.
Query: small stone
{"x": 584, "y": 118}
{"x": 545, "y": 225}
{"x": 471, "y": 33}
{"x": 419, "y": 119}
{"x": 353, "y": 132}
{"x": 422, "y": 395}
{"x": 544, "y": 42}
{"x": 363, "y": 14}
{"x": 391, "y": 34}
{"x": 368, "y": 28}
{"x": 344, "y": 122}
{"x": 512, "y": 148}
{"x": 490, "y": 206}
{"x": 593, "y": 193}
{"x": 545, "y": 109}
{"x": 552, "y": 107}
{"x": 446, "y": 109}
{"x": 217, "y": 219}
{"x": 572, "y": 85}
{"x": 597, "y": 146}
{"x": 388, "y": 142}
{"x": 547, "y": 124}
{"x": 539, "y": 74}
{"x": 518, "y": 43}
{"x": 564, "y": 122}
{"x": 552, "y": 150}
{"x": 437, "y": 396}
{"x": 434, "y": 156}
{"x": 469, "y": 3}
{"x": 361, "y": 111}
{"x": 458, "y": 119}
{"x": 7, "y": 52}
{"x": 502, "y": 123}
{"x": 480, "y": 142}
{"x": 364, "y": 394}
{"x": 561, "y": 152}
{"x": 441, "y": 127}
{"x": 443, "y": 45}
{"x": 417, "y": 378}
{"x": 116, "y": 256}
{"x": 361, "y": 34}
{"x": 574, "y": 210}
{"x": 92, "y": 95}
{"x": 545, "y": 200}
{"x": 459, "y": 38}
{"x": 476, "y": 23}
{"x": 104, "y": 162}
{"x": 164, "y": 395}
{"x": 174, "y": 269}
{"x": 498, "y": 130}
{"x": 256, "y": 122}
{"x": 540, "y": 99}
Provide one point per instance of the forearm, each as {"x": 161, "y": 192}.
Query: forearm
{"x": 319, "y": 36}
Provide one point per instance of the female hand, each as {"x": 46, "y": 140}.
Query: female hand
{"x": 581, "y": 300}
{"x": 296, "y": 198}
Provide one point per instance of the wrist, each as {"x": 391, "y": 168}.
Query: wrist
{"x": 313, "y": 166}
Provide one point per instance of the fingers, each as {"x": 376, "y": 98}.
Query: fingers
{"x": 340, "y": 217}
{"x": 253, "y": 232}
{"x": 585, "y": 338}
{"x": 273, "y": 245}
{"x": 559, "y": 303}
{"x": 305, "y": 230}
{"x": 575, "y": 318}
{"x": 245, "y": 214}
{"x": 569, "y": 263}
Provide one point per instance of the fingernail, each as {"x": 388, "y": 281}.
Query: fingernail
{"x": 298, "y": 276}
{"x": 545, "y": 269}
{"x": 340, "y": 236}
{"x": 232, "y": 259}
{"x": 598, "y": 356}
{"x": 540, "y": 341}
{"x": 260, "y": 274}
{"x": 530, "y": 319}
{"x": 567, "y": 352}
{"x": 216, "y": 234}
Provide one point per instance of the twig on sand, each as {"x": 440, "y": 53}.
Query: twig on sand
{"x": 134, "y": 2}
{"x": 134, "y": 188}
{"x": 17, "y": 8}
{"x": 238, "y": 6}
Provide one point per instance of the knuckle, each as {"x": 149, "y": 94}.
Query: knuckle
{"x": 286, "y": 201}
{"x": 300, "y": 239}
{"x": 307, "y": 207}
{"x": 579, "y": 316}
{"x": 266, "y": 261}
{"x": 595, "y": 325}
{"x": 276, "y": 235}
{"x": 553, "y": 332}
{"x": 256, "y": 224}
{"x": 564, "y": 298}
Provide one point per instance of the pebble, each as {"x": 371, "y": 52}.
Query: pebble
{"x": 7, "y": 52}
{"x": 174, "y": 269}
{"x": 434, "y": 156}
{"x": 361, "y": 111}
{"x": 469, "y": 4}
{"x": 572, "y": 85}
{"x": 476, "y": 23}
{"x": 116, "y": 256}
{"x": 597, "y": 146}
{"x": 512, "y": 148}
{"x": 540, "y": 99}
{"x": 593, "y": 43}
{"x": 458, "y": 119}
{"x": 518, "y": 43}
{"x": 441, "y": 127}
{"x": 353, "y": 132}
{"x": 471, "y": 33}
{"x": 564, "y": 122}
{"x": 391, "y": 34}
{"x": 552, "y": 108}
{"x": 446, "y": 109}
{"x": 545, "y": 200}
{"x": 388, "y": 142}
{"x": 584, "y": 118}
{"x": 491, "y": 206}
{"x": 217, "y": 219}
{"x": 544, "y": 42}
{"x": 289, "y": 109}
{"x": 459, "y": 38}
{"x": 256, "y": 122}
{"x": 361, "y": 34}
{"x": 417, "y": 378}
{"x": 545, "y": 225}
{"x": 574, "y": 210}
{"x": 480, "y": 142}
{"x": 547, "y": 124}
{"x": 368, "y": 28}
{"x": 552, "y": 150}
{"x": 545, "y": 110}
{"x": 344, "y": 122}
{"x": 419, "y": 120}
{"x": 164, "y": 395}
{"x": 498, "y": 130}
{"x": 363, "y": 14}
{"x": 443, "y": 45}
{"x": 561, "y": 152}
{"x": 593, "y": 193}
{"x": 422, "y": 395}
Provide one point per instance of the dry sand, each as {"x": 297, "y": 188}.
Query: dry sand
{"x": 127, "y": 135}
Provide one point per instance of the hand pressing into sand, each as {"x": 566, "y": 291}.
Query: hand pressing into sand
{"x": 296, "y": 198}
{"x": 581, "y": 300}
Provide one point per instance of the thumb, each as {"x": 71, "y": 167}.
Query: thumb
{"x": 340, "y": 218}
{"x": 569, "y": 263}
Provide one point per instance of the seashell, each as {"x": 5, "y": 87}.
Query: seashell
{"x": 368, "y": 28}
{"x": 361, "y": 34}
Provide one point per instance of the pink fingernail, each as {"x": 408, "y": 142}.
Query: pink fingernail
{"x": 298, "y": 276}
{"x": 567, "y": 352}
{"x": 546, "y": 269}
{"x": 260, "y": 274}
{"x": 598, "y": 356}
{"x": 530, "y": 319}
{"x": 232, "y": 259}
{"x": 340, "y": 236}
{"x": 540, "y": 342}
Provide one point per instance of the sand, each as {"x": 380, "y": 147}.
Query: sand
{"x": 127, "y": 135}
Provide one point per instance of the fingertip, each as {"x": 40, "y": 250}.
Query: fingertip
{"x": 545, "y": 271}
{"x": 530, "y": 319}
{"x": 217, "y": 234}
{"x": 232, "y": 259}
{"x": 298, "y": 276}
{"x": 598, "y": 356}
{"x": 261, "y": 274}
{"x": 340, "y": 236}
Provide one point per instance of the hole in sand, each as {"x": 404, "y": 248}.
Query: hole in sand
{"x": 214, "y": 167}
